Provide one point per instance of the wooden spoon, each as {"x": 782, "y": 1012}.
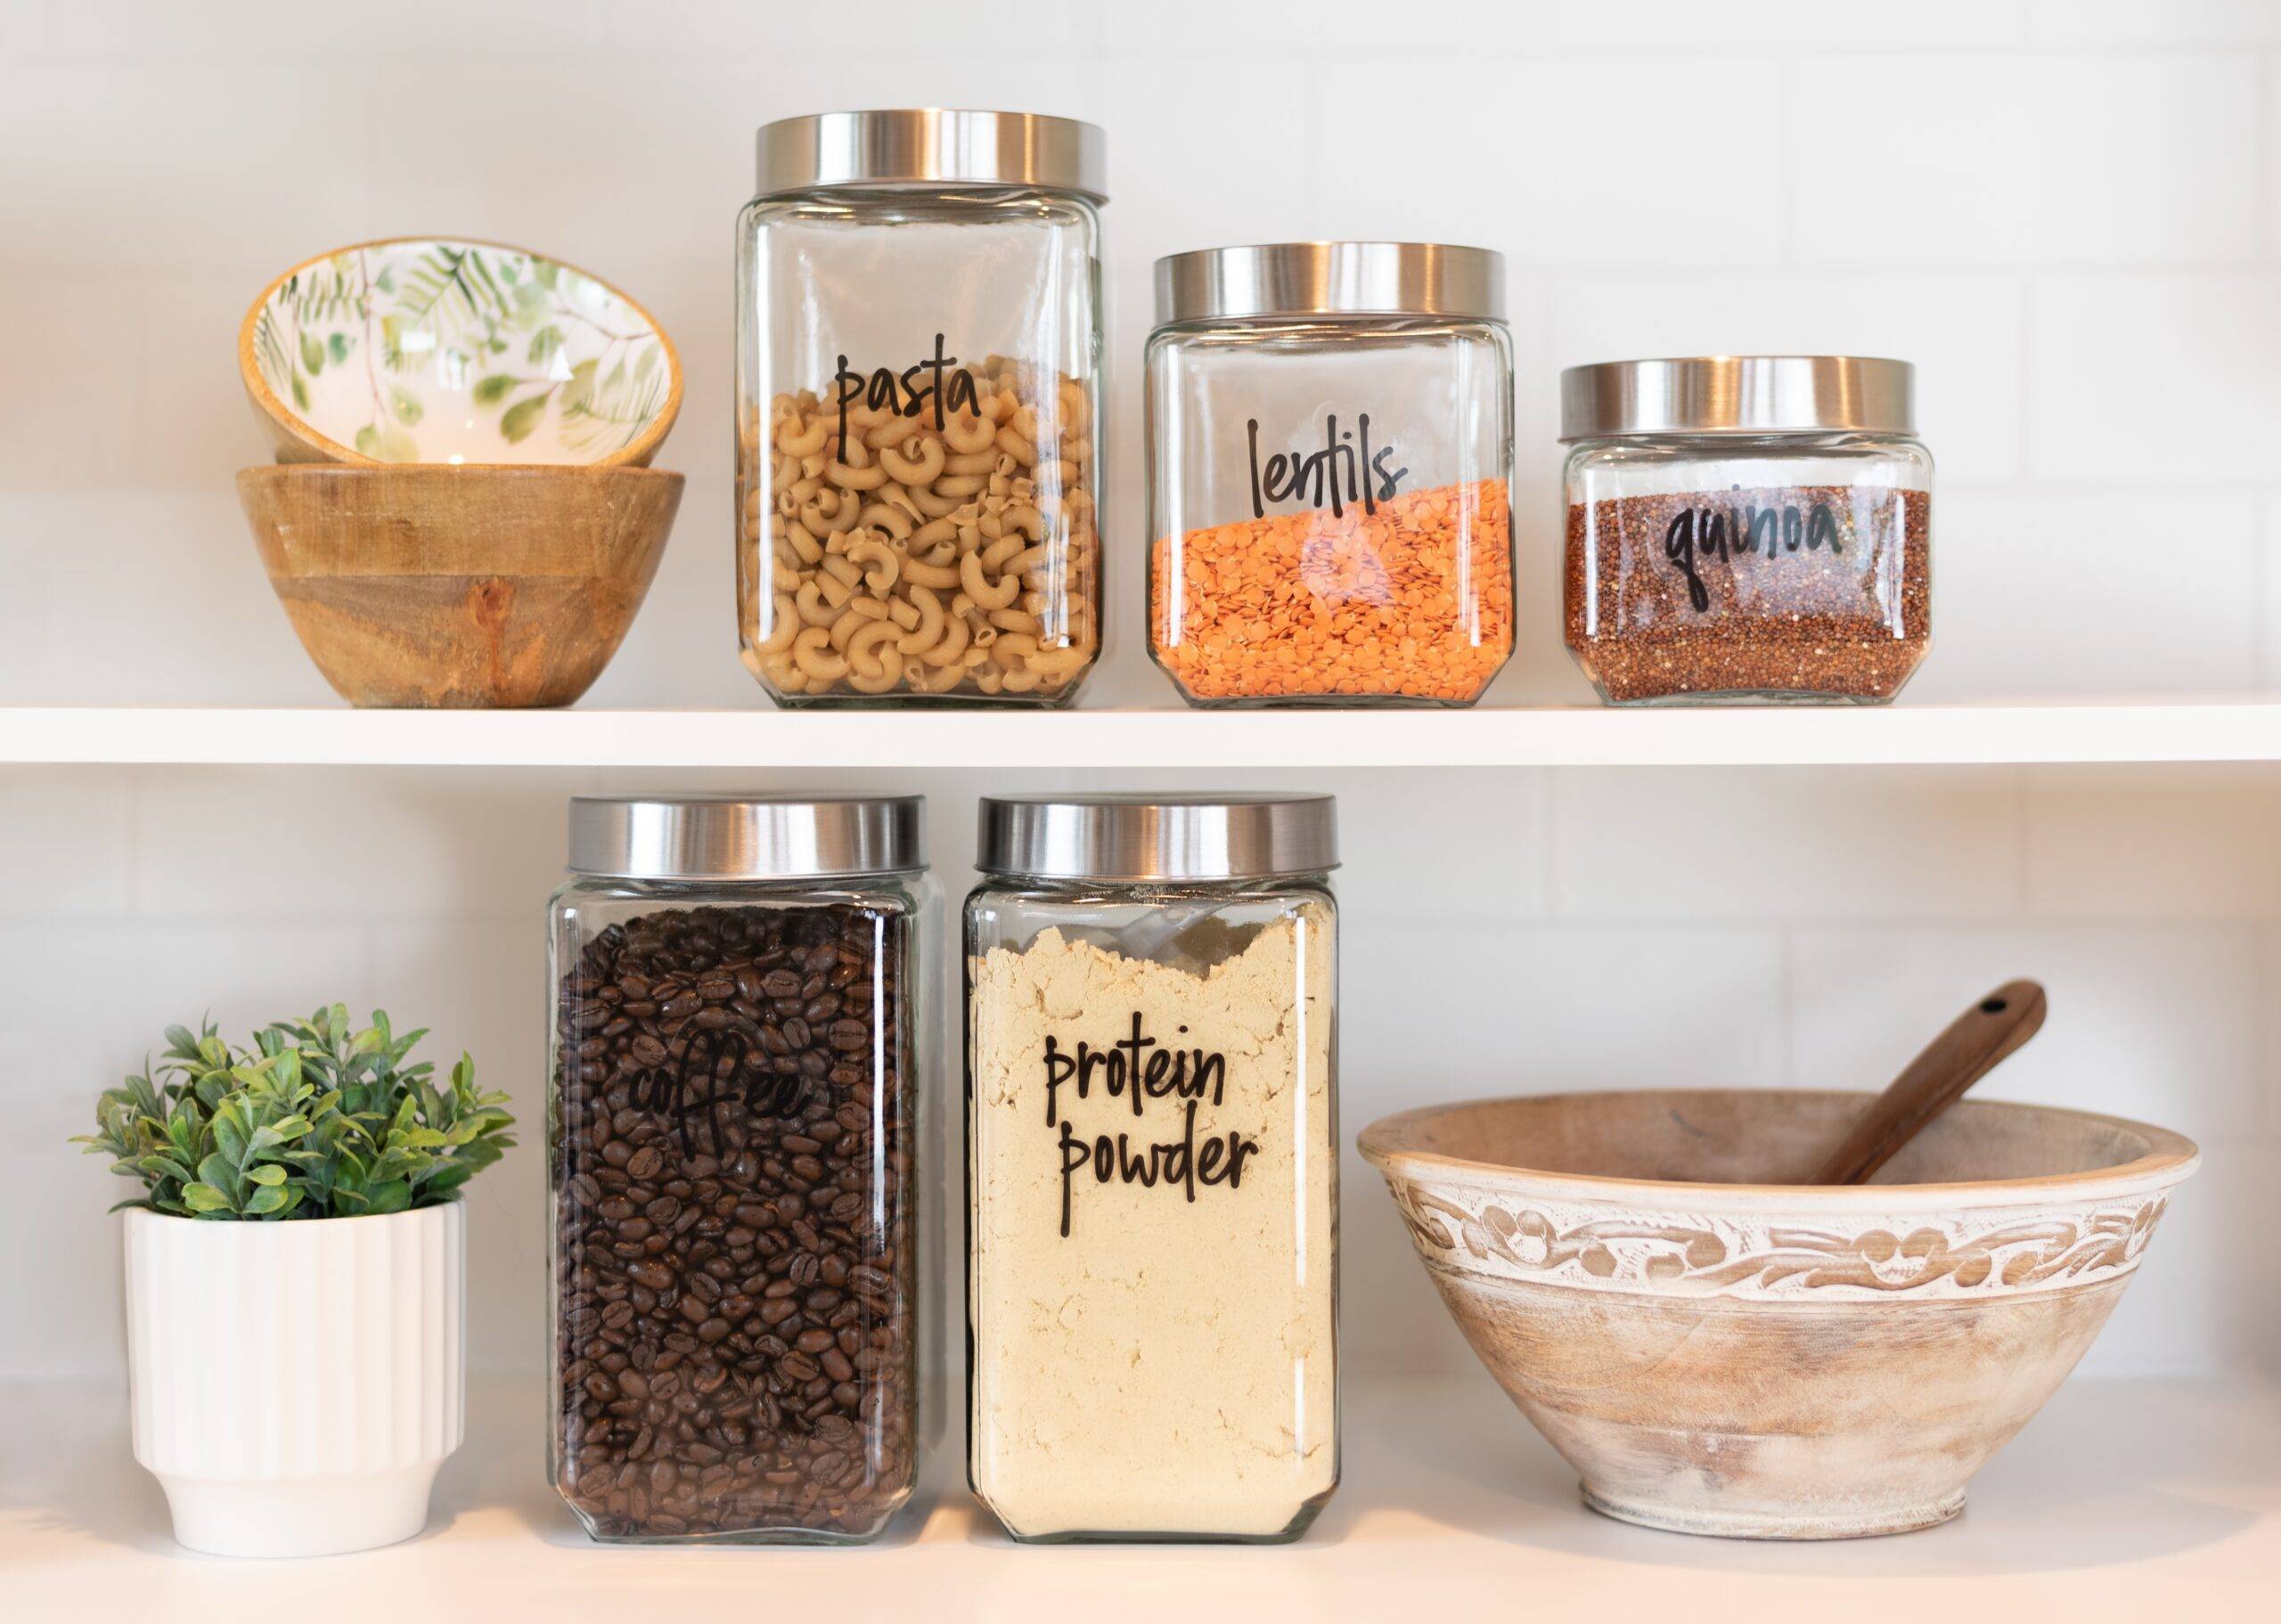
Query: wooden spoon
{"x": 1971, "y": 1047}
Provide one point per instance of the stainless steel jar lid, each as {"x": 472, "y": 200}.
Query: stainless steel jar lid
{"x": 1158, "y": 838}
{"x": 1297, "y": 279}
{"x": 914, "y": 146}
{"x": 1737, "y": 394}
{"x": 709, "y": 836}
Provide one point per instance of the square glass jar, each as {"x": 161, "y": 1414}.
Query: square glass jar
{"x": 1329, "y": 465}
{"x": 918, "y": 434}
{"x": 740, "y": 1013}
{"x": 1153, "y": 1167}
{"x": 1746, "y": 529}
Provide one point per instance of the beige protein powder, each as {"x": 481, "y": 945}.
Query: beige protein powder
{"x": 1154, "y": 1177}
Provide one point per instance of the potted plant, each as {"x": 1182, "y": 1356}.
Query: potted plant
{"x": 295, "y": 1278}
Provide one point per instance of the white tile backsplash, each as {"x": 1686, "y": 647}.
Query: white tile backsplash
{"x": 1897, "y": 844}
{"x": 2160, "y": 381}
{"x": 1585, "y": 165}
{"x": 2148, "y": 588}
{"x": 2106, "y": 844}
{"x": 2100, "y": 158}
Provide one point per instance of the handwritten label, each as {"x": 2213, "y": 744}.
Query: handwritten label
{"x": 1346, "y": 470}
{"x": 1696, "y": 535}
{"x": 929, "y": 383}
{"x": 1138, "y": 1072}
{"x": 702, "y": 1092}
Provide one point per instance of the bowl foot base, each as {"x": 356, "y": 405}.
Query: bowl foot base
{"x": 1770, "y": 1524}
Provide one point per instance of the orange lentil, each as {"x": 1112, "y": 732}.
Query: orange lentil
{"x": 1414, "y": 601}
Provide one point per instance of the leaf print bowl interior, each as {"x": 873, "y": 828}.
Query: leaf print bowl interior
{"x": 425, "y": 349}
{"x": 1718, "y": 1348}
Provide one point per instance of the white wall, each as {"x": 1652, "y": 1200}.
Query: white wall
{"x": 2069, "y": 215}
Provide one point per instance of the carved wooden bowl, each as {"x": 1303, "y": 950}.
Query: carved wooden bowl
{"x": 440, "y": 587}
{"x": 1718, "y": 1349}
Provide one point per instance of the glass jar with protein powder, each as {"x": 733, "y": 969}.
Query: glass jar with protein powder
{"x": 1153, "y": 1167}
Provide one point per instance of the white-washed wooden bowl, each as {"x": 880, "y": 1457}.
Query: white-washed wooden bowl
{"x": 434, "y": 349}
{"x": 1718, "y": 1349}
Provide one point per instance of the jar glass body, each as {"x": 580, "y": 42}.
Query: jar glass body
{"x": 1729, "y": 567}
{"x": 1329, "y": 510}
{"x": 1152, "y": 1167}
{"x": 919, "y": 444}
{"x": 736, "y": 1073}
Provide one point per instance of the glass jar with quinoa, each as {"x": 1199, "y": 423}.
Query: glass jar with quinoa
{"x": 1330, "y": 451}
{"x": 1746, "y": 528}
{"x": 737, "y": 996}
{"x": 919, "y": 409}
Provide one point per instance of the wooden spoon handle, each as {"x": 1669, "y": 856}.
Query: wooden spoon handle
{"x": 1960, "y": 1056}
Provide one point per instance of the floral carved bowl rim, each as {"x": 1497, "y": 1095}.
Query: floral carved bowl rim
{"x": 1776, "y": 1243}
{"x": 637, "y": 452}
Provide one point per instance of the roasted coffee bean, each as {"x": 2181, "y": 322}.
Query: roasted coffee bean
{"x": 734, "y": 1337}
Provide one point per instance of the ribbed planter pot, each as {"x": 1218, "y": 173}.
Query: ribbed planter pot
{"x": 297, "y": 1384}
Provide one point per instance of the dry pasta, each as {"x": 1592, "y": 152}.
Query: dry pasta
{"x": 905, "y": 556}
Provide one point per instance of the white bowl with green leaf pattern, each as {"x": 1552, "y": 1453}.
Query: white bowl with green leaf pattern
{"x": 435, "y": 349}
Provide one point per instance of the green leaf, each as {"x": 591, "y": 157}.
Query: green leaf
{"x": 544, "y": 342}
{"x": 386, "y": 443}
{"x": 300, "y": 393}
{"x": 312, "y": 354}
{"x": 524, "y": 416}
{"x": 492, "y": 390}
{"x": 317, "y": 1117}
{"x": 408, "y": 410}
{"x": 337, "y": 347}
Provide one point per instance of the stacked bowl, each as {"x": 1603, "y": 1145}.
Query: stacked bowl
{"x": 462, "y": 512}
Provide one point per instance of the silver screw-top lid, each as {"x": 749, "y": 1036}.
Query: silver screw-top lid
{"x": 1301, "y": 279}
{"x": 1158, "y": 838}
{"x": 918, "y": 146}
{"x": 728, "y": 837}
{"x": 1737, "y": 394}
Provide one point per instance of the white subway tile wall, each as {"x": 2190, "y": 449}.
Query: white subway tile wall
{"x": 2068, "y": 214}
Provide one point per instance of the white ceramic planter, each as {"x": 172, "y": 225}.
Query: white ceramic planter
{"x": 297, "y": 1384}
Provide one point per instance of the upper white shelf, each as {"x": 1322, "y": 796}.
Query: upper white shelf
{"x": 2216, "y": 730}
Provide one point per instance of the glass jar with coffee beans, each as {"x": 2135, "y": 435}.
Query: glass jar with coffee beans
{"x": 736, "y": 985}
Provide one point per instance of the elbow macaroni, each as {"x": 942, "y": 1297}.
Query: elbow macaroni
{"x": 959, "y": 560}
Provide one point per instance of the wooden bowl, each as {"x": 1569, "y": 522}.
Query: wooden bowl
{"x": 431, "y": 349}
{"x": 1719, "y": 1350}
{"x": 460, "y": 587}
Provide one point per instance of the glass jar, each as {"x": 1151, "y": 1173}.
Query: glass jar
{"x": 1330, "y": 455}
{"x": 1745, "y": 529}
{"x": 737, "y": 1002}
{"x": 1152, "y": 1167}
{"x": 919, "y": 426}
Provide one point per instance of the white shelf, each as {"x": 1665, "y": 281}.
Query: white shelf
{"x": 2213, "y": 730}
{"x": 2123, "y": 1501}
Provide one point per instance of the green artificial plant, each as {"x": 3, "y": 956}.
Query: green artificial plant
{"x": 317, "y": 1119}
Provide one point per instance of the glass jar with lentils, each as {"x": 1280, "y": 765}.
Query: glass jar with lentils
{"x": 1746, "y": 528}
{"x": 735, "y": 989}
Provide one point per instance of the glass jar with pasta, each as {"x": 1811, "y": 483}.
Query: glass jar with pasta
{"x": 918, "y": 409}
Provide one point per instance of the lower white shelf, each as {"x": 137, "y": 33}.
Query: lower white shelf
{"x": 2124, "y": 1499}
